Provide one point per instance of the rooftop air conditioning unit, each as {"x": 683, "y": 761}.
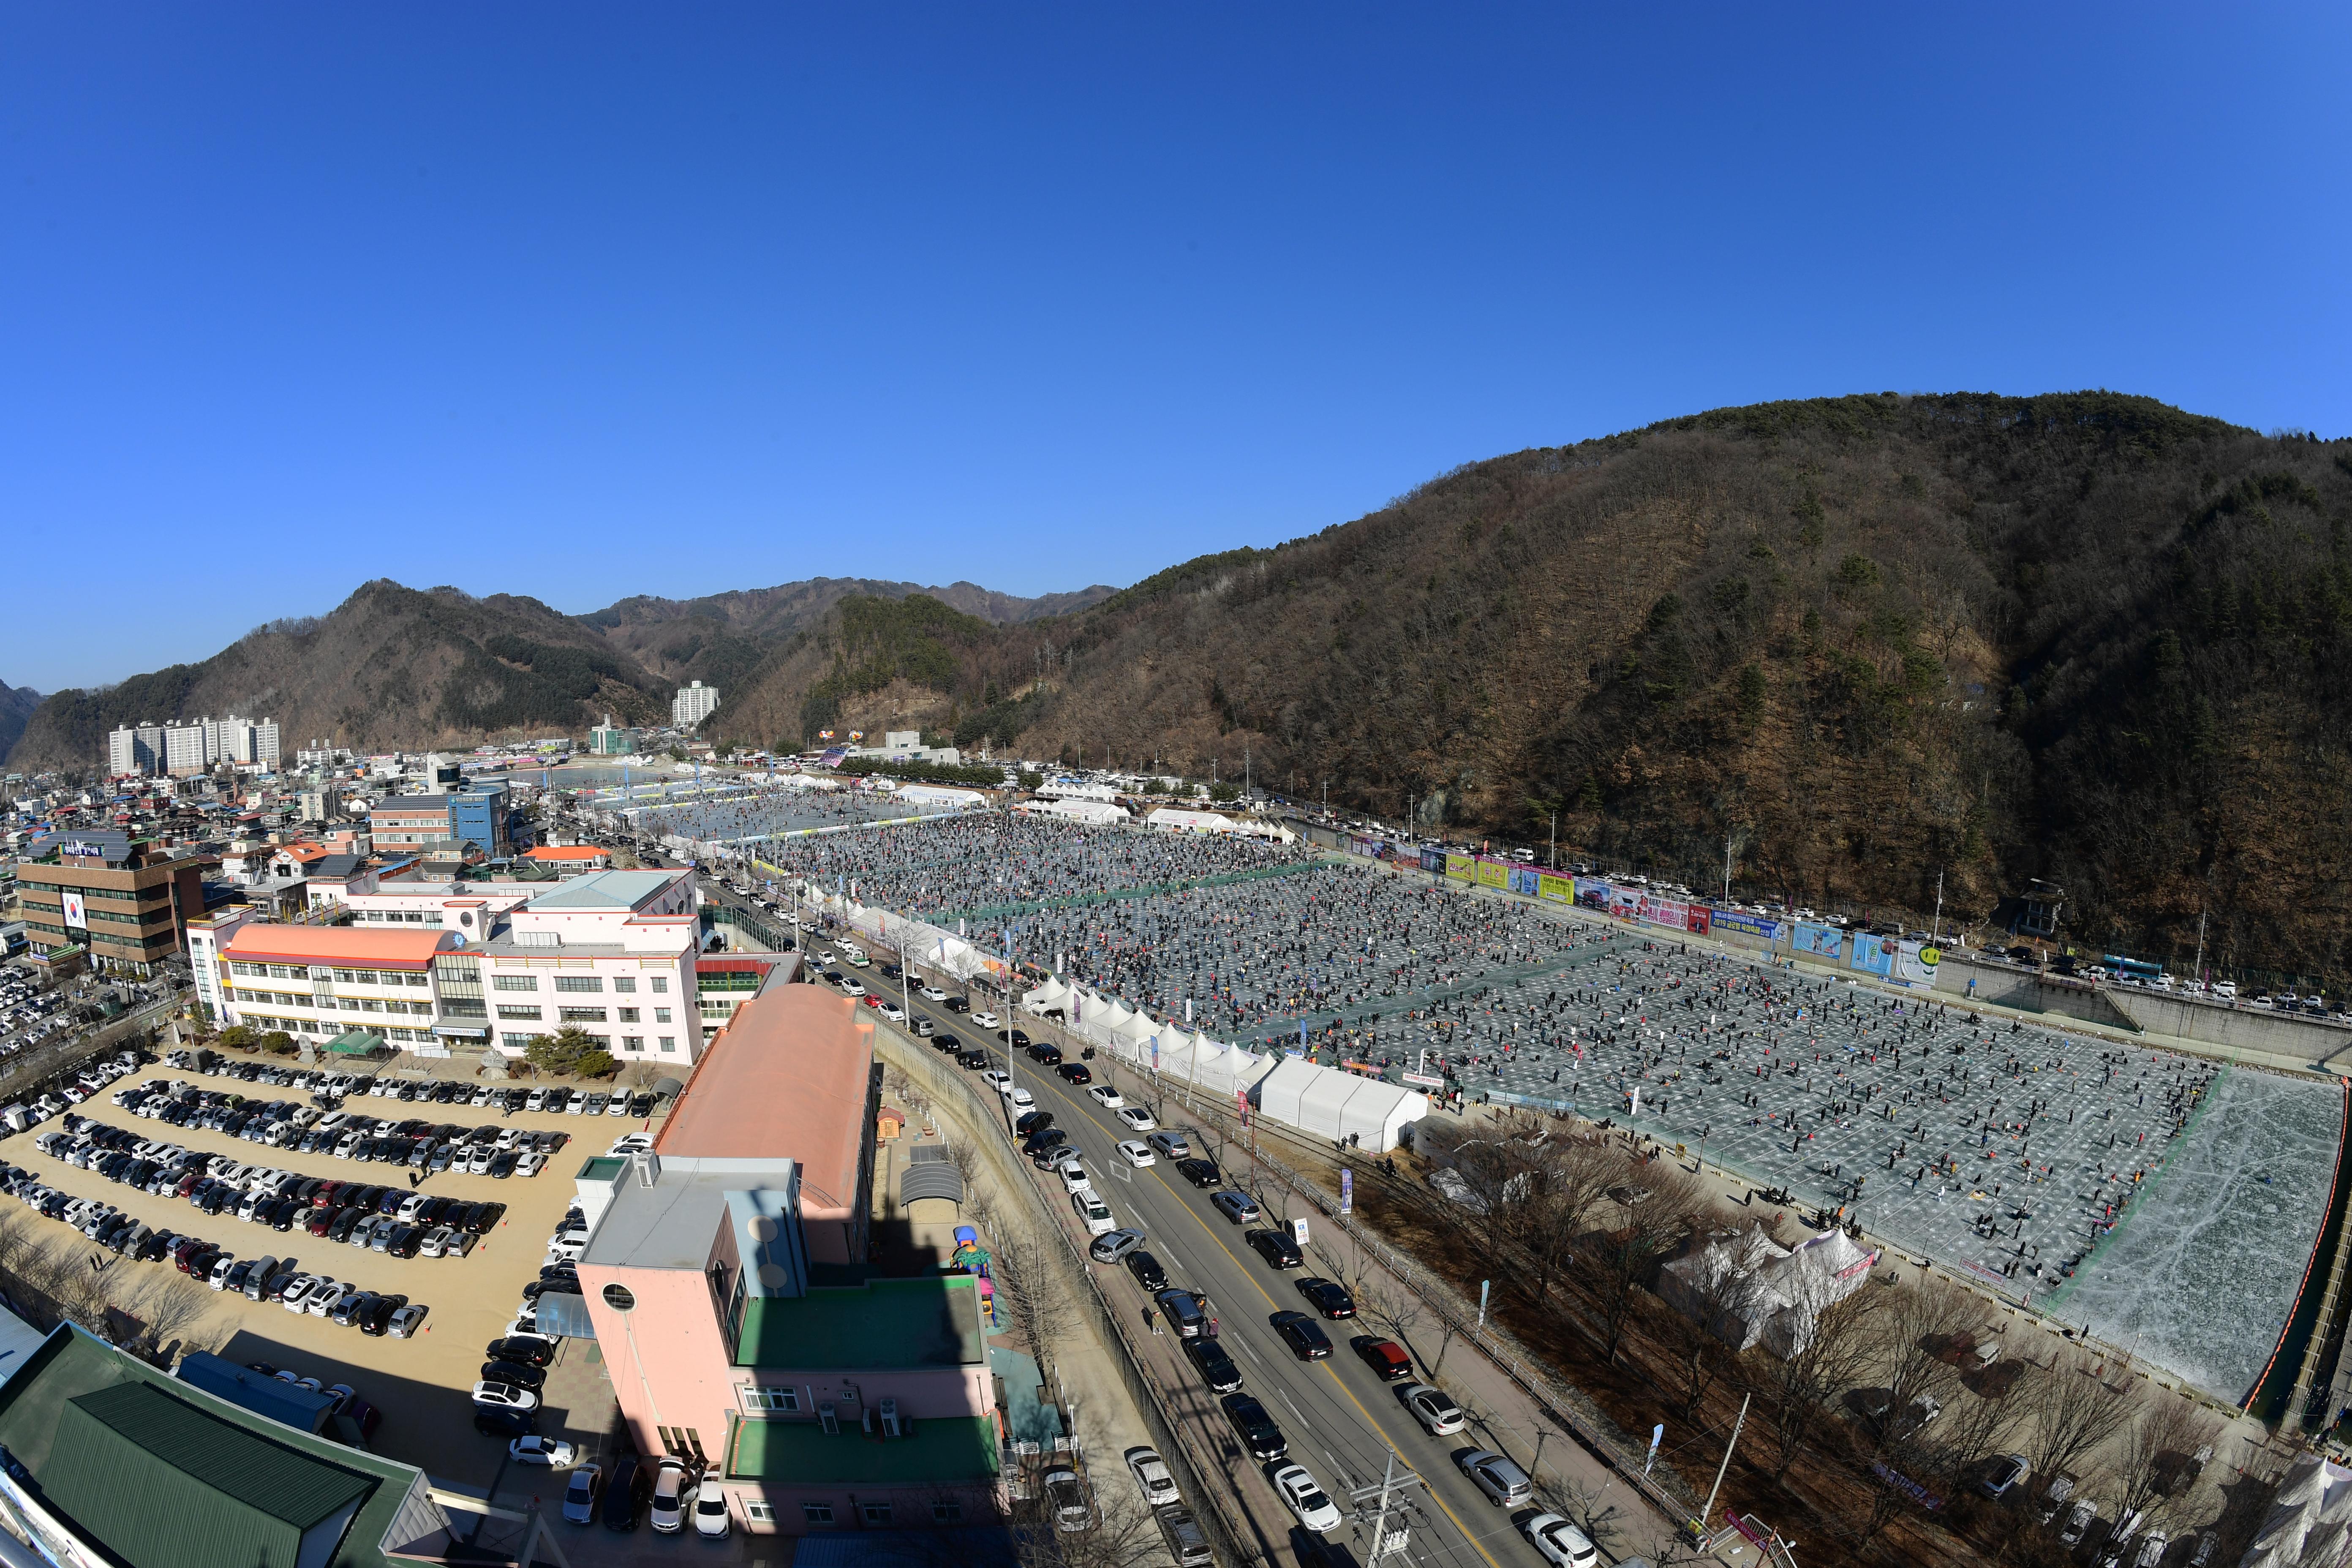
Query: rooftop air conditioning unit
{"x": 891, "y": 1426}
{"x": 828, "y": 1420}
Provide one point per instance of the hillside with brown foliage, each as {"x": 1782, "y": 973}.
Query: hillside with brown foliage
{"x": 1866, "y": 640}
{"x": 390, "y": 666}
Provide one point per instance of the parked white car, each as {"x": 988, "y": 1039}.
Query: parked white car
{"x": 1094, "y": 1212}
{"x": 1107, "y": 1097}
{"x": 1138, "y": 1118}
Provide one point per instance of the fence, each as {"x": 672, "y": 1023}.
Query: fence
{"x": 27, "y": 1072}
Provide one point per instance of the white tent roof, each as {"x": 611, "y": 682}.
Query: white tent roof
{"x": 1332, "y": 1104}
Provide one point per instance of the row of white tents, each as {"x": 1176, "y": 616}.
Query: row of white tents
{"x": 1323, "y": 1102}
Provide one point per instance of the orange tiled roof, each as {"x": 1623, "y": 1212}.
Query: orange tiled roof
{"x": 337, "y": 945}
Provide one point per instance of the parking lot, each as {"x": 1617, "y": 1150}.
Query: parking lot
{"x": 420, "y": 1384}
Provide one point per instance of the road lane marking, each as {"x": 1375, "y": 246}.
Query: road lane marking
{"x": 1378, "y": 1430}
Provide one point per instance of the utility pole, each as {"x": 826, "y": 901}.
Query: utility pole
{"x": 1555, "y": 841}
{"x": 1698, "y": 1525}
{"x": 2199, "y": 972}
{"x": 1383, "y": 1544}
{"x": 1938, "y": 933}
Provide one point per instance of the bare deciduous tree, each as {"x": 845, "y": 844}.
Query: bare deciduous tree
{"x": 1622, "y": 1258}
{"x": 1799, "y": 1390}
{"x": 2072, "y": 1414}
{"x": 1916, "y": 1331}
{"x": 2153, "y": 1466}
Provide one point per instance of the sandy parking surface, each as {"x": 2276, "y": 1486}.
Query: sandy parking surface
{"x": 420, "y": 1384}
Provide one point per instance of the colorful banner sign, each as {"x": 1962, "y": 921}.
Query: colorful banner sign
{"x": 1493, "y": 873}
{"x": 1873, "y": 954}
{"x": 1555, "y": 889}
{"x": 1817, "y": 942}
{"x": 1915, "y": 964}
{"x": 1461, "y": 868}
{"x": 1746, "y": 924}
{"x": 1433, "y": 860}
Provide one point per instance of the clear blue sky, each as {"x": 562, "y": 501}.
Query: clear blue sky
{"x": 584, "y": 301}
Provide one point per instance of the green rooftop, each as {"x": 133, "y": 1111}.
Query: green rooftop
{"x": 163, "y": 1475}
{"x": 933, "y": 1320}
{"x": 943, "y": 1449}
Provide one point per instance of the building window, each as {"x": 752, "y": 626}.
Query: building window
{"x": 817, "y": 1512}
{"x": 626, "y": 1015}
{"x": 669, "y": 1042}
{"x": 579, "y": 983}
{"x": 517, "y": 1013}
{"x": 661, "y": 1015}
{"x": 661, "y": 984}
{"x": 625, "y": 984}
{"x": 581, "y": 1015}
{"x": 758, "y": 1512}
{"x": 632, "y": 1042}
{"x": 786, "y": 1399}
{"x": 515, "y": 982}
{"x": 874, "y": 1512}
{"x": 947, "y": 1513}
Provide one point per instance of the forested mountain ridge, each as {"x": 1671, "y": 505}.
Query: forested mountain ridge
{"x": 720, "y": 638}
{"x": 389, "y": 667}
{"x": 2085, "y": 636}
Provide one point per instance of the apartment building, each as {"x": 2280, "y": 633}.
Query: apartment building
{"x": 692, "y": 705}
{"x": 183, "y": 748}
{"x": 411, "y": 823}
{"x": 726, "y": 1285}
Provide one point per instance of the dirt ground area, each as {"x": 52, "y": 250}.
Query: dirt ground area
{"x": 420, "y": 1384}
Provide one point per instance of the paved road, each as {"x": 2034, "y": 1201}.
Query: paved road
{"x": 1342, "y": 1423}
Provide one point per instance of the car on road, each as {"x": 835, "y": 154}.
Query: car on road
{"x": 624, "y": 1494}
{"x": 1202, "y": 1173}
{"x": 897, "y": 1014}
{"x": 1113, "y": 1246}
{"x": 2006, "y": 1473}
{"x": 1187, "y": 1312}
{"x": 1387, "y": 1358}
{"x": 580, "y": 1494}
{"x": 984, "y": 1021}
{"x": 1302, "y": 1333}
{"x": 932, "y": 994}
{"x": 1137, "y": 1119}
{"x": 1216, "y": 1368}
{"x": 404, "y": 1322}
{"x": 1305, "y": 1499}
{"x": 1259, "y": 1435}
{"x": 1152, "y": 1477}
{"x": 1434, "y": 1408}
{"x": 1147, "y": 1271}
{"x": 1505, "y": 1484}
{"x": 673, "y": 1491}
{"x": 1275, "y": 1247}
{"x": 1075, "y": 1073}
{"x": 710, "y": 1518}
{"x": 1109, "y": 1098}
{"x": 504, "y": 1396}
{"x": 1562, "y": 1542}
{"x": 1093, "y": 1212}
{"x": 1066, "y": 1496}
{"x": 1134, "y": 1153}
{"x": 492, "y": 1423}
{"x": 1171, "y": 1145}
{"x": 552, "y": 1452}
{"x": 999, "y": 1081}
{"x": 1073, "y": 1176}
{"x": 1328, "y": 1296}
{"x": 1237, "y": 1206}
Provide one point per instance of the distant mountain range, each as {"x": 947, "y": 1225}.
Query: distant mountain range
{"x": 1861, "y": 646}
{"x": 396, "y": 667}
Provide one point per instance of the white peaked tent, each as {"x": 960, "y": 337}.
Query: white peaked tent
{"x": 1328, "y": 1103}
{"x": 1138, "y": 1029}
{"x": 1052, "y": 996}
